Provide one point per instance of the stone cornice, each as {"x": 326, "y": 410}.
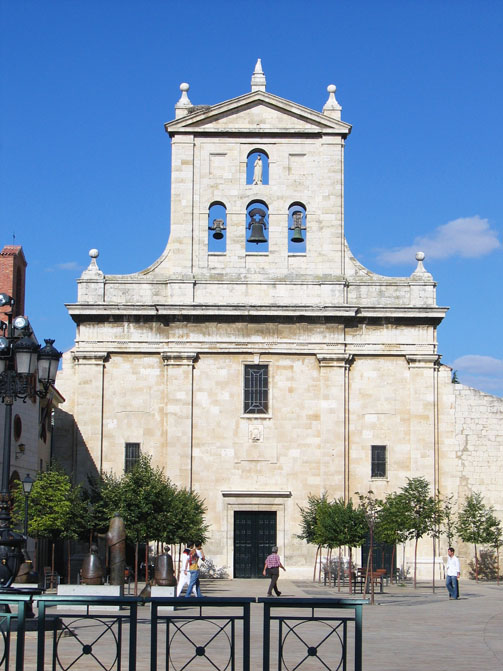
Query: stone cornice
{"x": 89, "y": 357}
{"x": 178, "y": 358}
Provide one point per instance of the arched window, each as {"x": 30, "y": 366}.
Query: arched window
{"x": 257, "y": 167}
{"x": 297, "y": 228}
{"x": 257, "y": 227}
{"x": 217, "y": 227}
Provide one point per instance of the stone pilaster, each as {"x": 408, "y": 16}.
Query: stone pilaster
{"x": 423, "y": 390}
{"x": 334, "y": 426}
{"x": 89, "y": 399}
{"x": 179, "y": 383}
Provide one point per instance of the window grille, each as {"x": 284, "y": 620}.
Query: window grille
{"x": 378, "y": 467}
{"x": 131, "y": 455}
{"x": 256, "y": 390}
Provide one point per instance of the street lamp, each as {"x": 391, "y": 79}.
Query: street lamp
{"x": 26, "y": 371}
{"x": 27, "y": 485}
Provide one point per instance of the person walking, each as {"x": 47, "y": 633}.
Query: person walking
{"x": 453, "y": 574}
{"x": 183, "y": 578}
{"x": 193, "y": 567}
{"x": 271, "y": 568}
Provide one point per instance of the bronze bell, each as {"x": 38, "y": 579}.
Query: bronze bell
{"x": 218, "y": 227}
{"x": 297, "y": 227}
{"x": 257, "y": 225}
{"x": 257, "y": 233}
{"x": 297, "y": 235}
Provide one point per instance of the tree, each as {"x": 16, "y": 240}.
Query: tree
{"x": 103, "y": 498}
{"x": 420, "y": 512}
{"x": 371, "y": 508}
{"x": 449, "y": 518}
{"x": 392, "y": 524}
{"x": 309, "y": 518}
{"x": 56, "y": 508}
{"x": 496, "y": 541}
{"x": 476, "y": 524}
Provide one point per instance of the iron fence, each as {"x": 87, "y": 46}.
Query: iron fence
{"x": 214, "y": 633}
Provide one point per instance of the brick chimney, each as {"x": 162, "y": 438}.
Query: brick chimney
{"x": 12, "y": 277}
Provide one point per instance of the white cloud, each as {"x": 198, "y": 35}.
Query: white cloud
{"x": 67, "y": 265}
{"x": 482, "y": 372}
{"x": 468, "y": 237}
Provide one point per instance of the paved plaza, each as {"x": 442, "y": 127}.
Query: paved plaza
{"x": 406, "y": 629}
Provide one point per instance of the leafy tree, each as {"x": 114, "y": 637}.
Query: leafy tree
{"x": 371, "y": 508}
{"x": 477, "y": 524}
{"x": 392, "y": 523}
{"x": 309, "y": 517}
{"x": 449, "y": 518}
{"x": 496, "y": 541}
{"x": 55, "y": 508}
{"x": 103, "y": 498}
{"x": 420, "y": 510}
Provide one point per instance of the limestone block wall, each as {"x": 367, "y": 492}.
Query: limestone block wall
{"x": 479, "y": 437}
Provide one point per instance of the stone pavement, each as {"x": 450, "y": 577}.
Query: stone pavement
{"x": 412, "y": 630}
{"x": 406, "y": 629}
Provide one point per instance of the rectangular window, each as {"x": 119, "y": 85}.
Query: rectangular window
{"x": 256, "y": 389}
{"x": 378, "y": 467}
{"x": 131, "y": 455}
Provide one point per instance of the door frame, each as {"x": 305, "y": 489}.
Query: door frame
{"x": 255, "y": 502}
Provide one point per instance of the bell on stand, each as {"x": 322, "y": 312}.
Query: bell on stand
{"x": 257, "y": 225}
{"x": 218, "y": 226}
{"x": 297, "y": 228}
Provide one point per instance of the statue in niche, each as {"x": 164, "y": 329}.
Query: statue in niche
{"x": 116, "y": 542}
{"x": 257, "y": 170}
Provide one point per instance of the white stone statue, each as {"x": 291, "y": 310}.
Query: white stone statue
{"x": 257, "y": 170}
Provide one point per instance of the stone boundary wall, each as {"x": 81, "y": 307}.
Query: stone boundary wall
{"x": 479, "y": 435}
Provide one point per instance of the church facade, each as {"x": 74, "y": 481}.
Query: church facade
{"x": 257, "y": 360}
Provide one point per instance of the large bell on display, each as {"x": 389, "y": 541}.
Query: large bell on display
{"x": 257, "y": 233}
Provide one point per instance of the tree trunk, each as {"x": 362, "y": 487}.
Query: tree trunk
{"x": 415, "y": 562}
{"x": 316, "y": 563}
{"x": 68, "y": 563}
{"x": 350, "y": 571}
{"x": 366, "y": 576}
{"x": 339, "y": 571}
{"x": 392, "y": 562}
{"x": 476, "y": 563}
{"x": 497, "y": 566}
{"x": 52, "y": 566}
{"x": 434, "y": 562}
{"x": 136, "y": 568}
{"x": 146, "y": 562}
{"x": 372, "y": 566}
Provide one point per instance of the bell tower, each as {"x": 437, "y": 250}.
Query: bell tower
{"x": 257, "y": 187}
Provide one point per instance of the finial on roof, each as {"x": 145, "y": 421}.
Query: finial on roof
{"x": 421, "y": 271}
{"x": 332, "y": 107}
{"x": 182, "y": 106}
{"x": 258, "y": 77}
{"x": 92, "y": 270}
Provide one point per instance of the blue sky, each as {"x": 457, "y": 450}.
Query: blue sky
{"x": 87, "y": 85}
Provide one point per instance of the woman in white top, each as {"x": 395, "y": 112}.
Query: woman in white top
{"x": 184, "y": 576}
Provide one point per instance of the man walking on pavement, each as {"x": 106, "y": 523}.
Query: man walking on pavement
{"x": 453, "y": 574}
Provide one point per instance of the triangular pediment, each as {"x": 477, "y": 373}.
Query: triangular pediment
{"x": 256, "y": 111}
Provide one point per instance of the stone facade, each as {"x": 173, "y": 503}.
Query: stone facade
{"x": 351, "y": 356}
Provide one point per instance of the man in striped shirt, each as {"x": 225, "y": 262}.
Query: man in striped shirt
{"x": 271, "y": 568}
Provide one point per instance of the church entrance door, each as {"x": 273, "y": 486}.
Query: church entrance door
{"x": 254, "y": 535}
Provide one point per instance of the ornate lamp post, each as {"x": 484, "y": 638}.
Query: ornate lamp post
{"x": 27, "y": 485}
{"x": 26, "y": 371}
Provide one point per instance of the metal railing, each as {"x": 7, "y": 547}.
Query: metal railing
{"x": 299, "y": 642}
{"x": 111, "y": 634}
